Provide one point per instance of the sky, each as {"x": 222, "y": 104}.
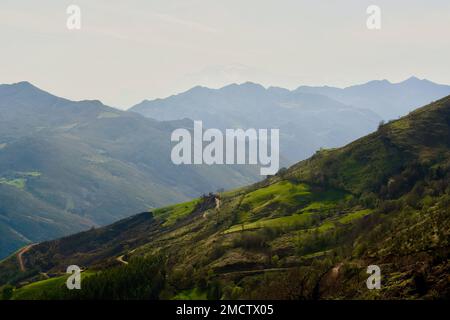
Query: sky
{"x": 128, "y": 51}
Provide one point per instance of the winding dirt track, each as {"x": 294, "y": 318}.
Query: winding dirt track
{"x": 120, "y": 259}
{"x": 20, "y": 256}
{"x": 335, "y": 270}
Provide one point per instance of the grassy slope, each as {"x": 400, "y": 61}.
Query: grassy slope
{"x": 44, "y": 288}
{"x": 309, "y": 232}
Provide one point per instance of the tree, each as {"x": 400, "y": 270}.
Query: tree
{"x": 7, "y": 292}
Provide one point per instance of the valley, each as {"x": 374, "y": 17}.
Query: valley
{"x": 68, "y": 166}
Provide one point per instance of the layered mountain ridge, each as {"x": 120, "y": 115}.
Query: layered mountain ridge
{"x": 68, "y": 165}
{"x": 310, "y": 118}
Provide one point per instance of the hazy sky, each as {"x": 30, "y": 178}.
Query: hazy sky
{"x": 127, "y": 51}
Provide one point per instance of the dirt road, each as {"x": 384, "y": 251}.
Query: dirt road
{"x": 120, "y": 259}
{"x": 20, "y": 256}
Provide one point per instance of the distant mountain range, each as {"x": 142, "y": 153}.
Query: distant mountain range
{"x": 309, "y": 117}
{"x": 66, "y": 166}
{"x": 388, "y": 100}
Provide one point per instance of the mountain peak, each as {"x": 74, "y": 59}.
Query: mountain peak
{"x": 252, "y": 85}
{"x": 413, "y": 79}
{"x": 244, "y": 86}
{"x": 23, "y": 84}
{"x": 379, "y": 82}
{"x": 19, "y": 85}
{"x": 22, "y": 87}
{"x": 417, "y": 81}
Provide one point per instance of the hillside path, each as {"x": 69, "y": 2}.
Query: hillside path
{"x": 335, "y": 270}
{"x": 120, "y": 259}
{"x": 20, "y": 256}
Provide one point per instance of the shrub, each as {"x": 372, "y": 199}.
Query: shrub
{"x": 7, "y": 292}
{"x": 251, "y": 240}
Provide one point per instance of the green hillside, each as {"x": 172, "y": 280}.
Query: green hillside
{"x": 307, "y": 233}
